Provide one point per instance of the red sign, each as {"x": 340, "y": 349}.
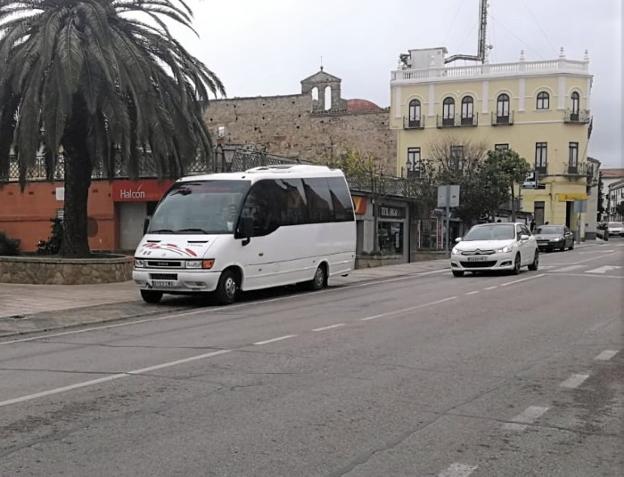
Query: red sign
{"x": 144, "y": 190}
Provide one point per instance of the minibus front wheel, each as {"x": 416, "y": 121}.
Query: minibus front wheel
{"x": 151, "y": 296}
{"x": 227, "y": 289}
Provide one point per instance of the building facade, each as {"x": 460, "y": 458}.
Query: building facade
{"x": 616, "y": 201}
{"x": 316, "y": 125}
{"x": 540, "y": 109}
{"x": 609, "y": 177}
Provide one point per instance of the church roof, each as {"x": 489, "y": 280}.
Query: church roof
{"x": 321, "y": 77}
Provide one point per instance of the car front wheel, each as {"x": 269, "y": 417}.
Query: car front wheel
{"x": 457, "y": 273}
{"x": 151, "y": 296}
{"x": 517, "y": 265}
{"x": 535, "y": 265}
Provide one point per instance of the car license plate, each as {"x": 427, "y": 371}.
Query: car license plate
{"x": 477, "y": 259}
{"x": 164, "y": 283}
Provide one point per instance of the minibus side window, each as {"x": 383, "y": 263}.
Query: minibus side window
{"x": 265, "y": 204}
{"x": 295, "y": 207}
{"x": 341, "y": 199}
{"x": 320, "y": 208}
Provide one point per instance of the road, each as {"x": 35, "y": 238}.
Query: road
{"x": 424, "y": 375}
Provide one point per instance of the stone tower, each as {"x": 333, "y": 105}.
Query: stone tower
{"x": 322, "y": 86}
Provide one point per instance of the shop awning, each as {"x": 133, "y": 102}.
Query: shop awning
{"x": 572, "y": 196}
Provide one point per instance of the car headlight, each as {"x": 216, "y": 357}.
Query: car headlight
{"x": 138, "y": 263}
{"x": 505, "y": 249}
{"x": 557, "y": 239}
{"x": 193, "y": 264}
{"x": 455, "y": 251}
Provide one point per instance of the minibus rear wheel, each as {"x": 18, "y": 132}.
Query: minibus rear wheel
{"x": 227, "y": 289}
{"x": 320, "y": 278}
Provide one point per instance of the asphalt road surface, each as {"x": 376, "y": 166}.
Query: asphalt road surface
{"x": 430, "y": 375}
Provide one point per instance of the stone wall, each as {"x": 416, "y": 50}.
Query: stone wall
{"x": 286, "y": 126}
{"x": 59, "y": 271}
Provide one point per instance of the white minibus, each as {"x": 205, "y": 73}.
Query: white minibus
{"x": 230, "y": 232}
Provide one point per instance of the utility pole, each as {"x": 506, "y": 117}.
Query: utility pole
{"x": 448, "y": 218}
{"x": 482, "y": 46}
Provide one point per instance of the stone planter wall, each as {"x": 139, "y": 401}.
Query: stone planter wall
{"x": 61, "y": 271}
{"x": 365, "y": 261}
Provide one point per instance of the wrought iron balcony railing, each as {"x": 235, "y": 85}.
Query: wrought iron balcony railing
{"x": 577, "y": 117}
{"x": 414, "y": 123}
{"x": 502, "y": 120}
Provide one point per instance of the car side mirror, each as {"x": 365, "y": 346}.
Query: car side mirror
{"x": 458, "y": 239}
{"x": 146, "y": 223}
{"x": 524, "y": 237}
{"x": 244, "y": 230}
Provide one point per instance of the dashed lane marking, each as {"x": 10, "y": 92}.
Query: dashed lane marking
{"x": 405, "y": 310}
{"x": 513, "y": 282}
{"x": 330, "y": 327}
{"x": 604, "y": 269}
{"x": 568, "y": 269}
{"x": 528, "y": 416}
{"x": 458, "y": 470}
{"x": 491, "y": 288}
{"x": 274, "y": 340}
{"x": 574, "y": 381}
{"x": 606, "y": 355}
{"x": 112, "y": 377}
{"x": 474, "y": 292}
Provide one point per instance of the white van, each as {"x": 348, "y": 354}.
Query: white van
{"x": 265, "y": 227}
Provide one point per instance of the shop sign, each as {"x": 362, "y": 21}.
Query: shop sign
{"x": 388, "y": 212}
{"x": 139, "y": 191}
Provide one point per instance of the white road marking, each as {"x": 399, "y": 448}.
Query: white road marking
{"x": 458, "y": 470}
{"x": 568, "y": 269}
{"x": 405, "y": 310}
{"x": 604, "y": 269}
{"x": 219, "y": 310}
{"x": 584, "y": 275}
{"x": 513, "y": 282}
{"x": 528, "y": 416}
{"x": 474, "y": 292}
{"x": 273, "y": 340}
{"x": 606, "y": 355}
{"x": 491, "y": 288}
{"x": 574, "y": 381}
{"x": 112, "y": 377}
{"x": 330, "y": 327}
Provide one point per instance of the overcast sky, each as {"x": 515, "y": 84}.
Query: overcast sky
{"x": 265, "y": 47}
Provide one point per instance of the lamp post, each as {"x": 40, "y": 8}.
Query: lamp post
{"x": 227, "y": 157}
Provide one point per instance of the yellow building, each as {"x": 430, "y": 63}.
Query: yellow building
{"x": 538, "y": 108}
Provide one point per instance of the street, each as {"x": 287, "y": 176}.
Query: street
{"x": 420, "y": 375}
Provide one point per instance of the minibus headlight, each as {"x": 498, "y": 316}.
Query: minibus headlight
{"x": 197, "y": 264}
{"x": 138, "y": 263}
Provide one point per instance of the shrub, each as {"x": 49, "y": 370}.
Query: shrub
{"x": 8, "y": 246}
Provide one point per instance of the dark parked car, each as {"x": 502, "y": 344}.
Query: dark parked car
{"x": 554, "y": 237}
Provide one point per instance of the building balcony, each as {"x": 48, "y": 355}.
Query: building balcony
{"x": 414, "y": 123}
{"x": 485, "y": 71}
{"x": 577, "y": 117}
{"x": 457, "y": 121}
{"x": 506, "y": 120}
{"x": 577, "y": 170}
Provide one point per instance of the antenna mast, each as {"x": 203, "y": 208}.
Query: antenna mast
{"x": 482, "y": 38}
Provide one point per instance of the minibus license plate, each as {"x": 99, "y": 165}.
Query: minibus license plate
{"x": 477, "y": 259}
{"x": 163, "y": 283}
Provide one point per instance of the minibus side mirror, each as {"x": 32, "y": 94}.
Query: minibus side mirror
{"x": 146, "y": 223}
{"x": 244, "y": 230}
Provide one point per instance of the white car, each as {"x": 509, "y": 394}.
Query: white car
{"x": 500, "y": 246}
{"x": 615, "y": 228}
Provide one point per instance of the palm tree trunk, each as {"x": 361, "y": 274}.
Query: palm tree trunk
{"x": 78, "y": 169}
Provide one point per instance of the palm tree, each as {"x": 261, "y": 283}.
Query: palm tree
{"x": 99, "y": 79}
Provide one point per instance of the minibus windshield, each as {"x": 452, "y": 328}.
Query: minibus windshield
{"x": 199, "y": 207}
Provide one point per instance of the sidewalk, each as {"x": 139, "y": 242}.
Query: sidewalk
{"x": 34, "y": 308}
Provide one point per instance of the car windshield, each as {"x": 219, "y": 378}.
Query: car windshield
{"x": 549, "y": 229}
{"x": 491, "y": 232}
{"x": 199, "y": 207}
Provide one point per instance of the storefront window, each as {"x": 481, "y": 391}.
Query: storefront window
{"x": 390, "y": 236}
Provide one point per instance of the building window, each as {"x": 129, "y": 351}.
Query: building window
{"x": 501, "y": 147}
{"x": 541, "y": 157}
{"x": 576, "y": 103}
{"x": 543, "y": 100}
{"x": 413, "y": 164}
{"x": 414, "y": 113}
{"x": 502, "y": 108}
{"x": 457, "y": 157}
{"x": 448, "y": 112}
{"x": 573, "y": 158}
{"x": 467, "y": 111}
